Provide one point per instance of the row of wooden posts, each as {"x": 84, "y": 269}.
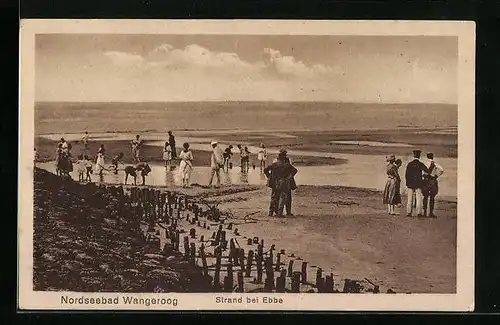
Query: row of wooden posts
{"x": 154, "y": 205}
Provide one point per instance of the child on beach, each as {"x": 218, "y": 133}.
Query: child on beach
{"x": 167, "y": 155}
{"x": 117, "y": 159}
{"x": 186, "y": 164}
{"x": 227, "y": 158}
{"x": 80, "y": 168}
{"x": 88, "y": 168}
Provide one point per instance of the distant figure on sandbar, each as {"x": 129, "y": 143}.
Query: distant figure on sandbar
{"x": 415, "y": 183}
{"x": 85, "y": 140}
{"x": 431, "y": 188}
{"x": 392, "y": 196}
{"x": 171, "y": 141}
{"x": 245, "y": 160}
{"x": 167, "y": 155}
{"x": 186, "y": 165}
{"x": 228, "y": 153}
{"x": 136, "y": 149}
{"x": 216, "y": 163}
{"x": 262, "y": 157}
{"x": 281, "y": 181}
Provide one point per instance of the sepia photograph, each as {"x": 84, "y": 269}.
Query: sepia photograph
{"x": 248, "y": 167}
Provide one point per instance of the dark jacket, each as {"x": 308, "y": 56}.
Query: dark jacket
{"x": 414, "y": 176}
{"x": 280, "y": 175}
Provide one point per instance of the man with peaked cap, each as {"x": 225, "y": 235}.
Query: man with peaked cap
{"x": 430, "y": 189}
{"x": 415, "y": 183}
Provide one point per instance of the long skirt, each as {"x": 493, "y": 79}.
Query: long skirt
{"x": 185, "y": 171}
{"x": 100, "y": 165}
{"x": 391, "y": 192}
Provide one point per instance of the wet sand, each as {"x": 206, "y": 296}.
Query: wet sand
{"x": 347, "y": 231}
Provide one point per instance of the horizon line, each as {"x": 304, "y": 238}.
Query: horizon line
{"x": 239, "y": 101}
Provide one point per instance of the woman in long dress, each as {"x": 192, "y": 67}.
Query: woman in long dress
{"x": 186, "y": 164}
{"x": 100, "y": 163}
{"x": 392, "y": 196}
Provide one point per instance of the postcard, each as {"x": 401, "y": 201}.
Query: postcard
{"x": 246, "y": 165}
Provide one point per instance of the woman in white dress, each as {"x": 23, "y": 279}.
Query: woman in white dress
{"x": 100, "y": 164}
{"x": 167, "y": 154}
{"x": 186, "y": 165}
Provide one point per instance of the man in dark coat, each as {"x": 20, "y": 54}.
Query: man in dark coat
{"x": 171, "y": 141}
{"x": 415, "y": 183}
{"x": 280, "y": 179}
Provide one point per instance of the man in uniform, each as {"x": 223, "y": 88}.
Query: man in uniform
{"x": 415, "y": 183}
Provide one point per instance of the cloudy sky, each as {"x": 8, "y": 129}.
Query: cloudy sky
{"x": 138, "y": 68}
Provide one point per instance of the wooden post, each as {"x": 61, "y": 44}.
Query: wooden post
{"x": 258, "y": 260}
{"x": 232, "y": 252}
{"x": 290, "y": 268}
{"x": 193, "y": 253}
{"x": 260, "y": 250}
{"x": 228, "y": 285}
{"x": 269, "y": 284}
{"x": 296, "y": 282}
{"x": 218, "y": 235}
{"x": 223, "y": 238}
{"x": 186, "y": 247}
{"x": 241, "y": 287}
{"x": 280, "y": 282}
{"x": 304, "y": 273}
{"x": 203, "y": 260}
{"x": 249, "y": 263}
{"x": 319, "y": 276}
{"x": 278, "y": 262}
{"x": 218, "y": 260}
{"x": 328, "y": 287}
{"x": 241, "y": 258}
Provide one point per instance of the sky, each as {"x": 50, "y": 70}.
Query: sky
{"x": 163, "y": 68}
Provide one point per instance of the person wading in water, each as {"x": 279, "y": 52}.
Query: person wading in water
{"x": 280, "y": 177}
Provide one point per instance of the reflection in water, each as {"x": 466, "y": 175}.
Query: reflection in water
{"x": 365, "y": 171}
{"x": 169, "y": 176}
{"x": 226, "y": 178}
{"x": 244, "y": 177}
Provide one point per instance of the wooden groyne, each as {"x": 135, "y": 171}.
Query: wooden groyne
{"x": 210, "y": 239}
